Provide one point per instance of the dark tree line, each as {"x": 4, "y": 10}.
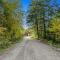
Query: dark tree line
{"x": 43, "y": 17}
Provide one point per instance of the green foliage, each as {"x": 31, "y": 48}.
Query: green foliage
{"x": 54, "y": 27}
{"x": 44, "y": 19}
{"x": 10, "y": 23}
{"x": 36, "y": 17}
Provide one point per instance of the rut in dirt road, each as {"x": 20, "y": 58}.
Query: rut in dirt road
{"x": 31, "y": 50}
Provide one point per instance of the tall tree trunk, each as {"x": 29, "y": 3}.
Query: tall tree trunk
{"x": 44, "y": 25}
{"x": 37, "y": 29}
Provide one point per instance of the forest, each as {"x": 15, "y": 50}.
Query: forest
{"x": 43, "y": 18}
{"x": 43, "y": 21}
{"x": 10, "y": 23}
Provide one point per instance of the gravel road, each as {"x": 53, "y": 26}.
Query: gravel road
{"x": 31, "y": 50}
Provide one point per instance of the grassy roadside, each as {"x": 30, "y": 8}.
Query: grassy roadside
{"x": 7, "y": 48}
{"x": 45, "y": 41}
{"x": 57, "y": 45}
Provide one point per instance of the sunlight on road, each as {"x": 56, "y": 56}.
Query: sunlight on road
{"x": 27, "y": 37}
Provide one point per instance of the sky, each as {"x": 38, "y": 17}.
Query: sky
{"x": 25, "y": 4}
{"x": 58, "y": 1}
{"x": 25, "y": 7}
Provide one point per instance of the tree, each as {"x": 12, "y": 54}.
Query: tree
{"x": 10, "y": 22}
{"x": 37, "y": 16}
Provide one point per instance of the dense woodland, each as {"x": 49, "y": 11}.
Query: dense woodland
{"x": 10, "y": 23}
{"x": 44, "y": 19}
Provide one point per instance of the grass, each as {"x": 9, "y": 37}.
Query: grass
{"x": 4, "y": 48}
{"x": 49, "y": 42}
{"x": 57, "y": 45}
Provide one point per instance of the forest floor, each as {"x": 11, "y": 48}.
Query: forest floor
{"x": 30, "y": 49}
